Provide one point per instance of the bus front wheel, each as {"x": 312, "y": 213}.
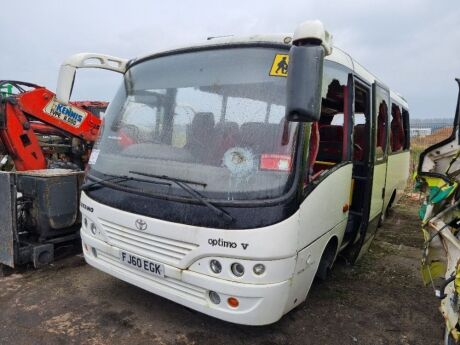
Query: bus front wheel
{"x": 327, "y": 260}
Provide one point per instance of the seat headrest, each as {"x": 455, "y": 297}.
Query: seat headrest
{"x": 227, "y": 127}
{"x": 359, "y": 129}
{"x": 330, "y": 133}
{"x": 203, "y": 119}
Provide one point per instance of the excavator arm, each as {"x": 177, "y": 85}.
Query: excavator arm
{"x": 34, "y": 109}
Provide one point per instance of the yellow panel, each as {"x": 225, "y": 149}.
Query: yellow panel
{"x": 325, "y": 163}
{"x": 352, "y": 188}
{"x": 432, "y": 271}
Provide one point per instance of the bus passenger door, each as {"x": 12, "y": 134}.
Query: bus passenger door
{"x": 369, "y": 167}
{"x": 380, "y": 106}
{"x": 361, "y": 193}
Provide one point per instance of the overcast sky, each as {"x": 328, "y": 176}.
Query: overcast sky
{"x": 411, "y": 45}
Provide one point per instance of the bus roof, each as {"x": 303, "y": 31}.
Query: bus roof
{"x": 338, "y": 55}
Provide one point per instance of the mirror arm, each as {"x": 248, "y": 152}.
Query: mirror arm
{"x": 70, "y": 65}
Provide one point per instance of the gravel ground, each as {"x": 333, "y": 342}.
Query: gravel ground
{"x": 381, "y": 300}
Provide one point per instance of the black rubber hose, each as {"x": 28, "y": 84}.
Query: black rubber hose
{"x": 441, "y": 292}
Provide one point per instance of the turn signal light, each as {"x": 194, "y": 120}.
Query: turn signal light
{"x": 233, "y": 302}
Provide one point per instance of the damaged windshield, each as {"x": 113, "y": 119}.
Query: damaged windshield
{"x": 213, "y": 116}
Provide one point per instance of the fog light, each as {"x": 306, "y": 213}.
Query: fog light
{"x": 215, "y": 265}
{"x": 237, "y": 269}
{"x": 233, "y": 302}
{"x": 85, "y": 222}
{"x": 214, "y": 297}
{"x": 93, "y": 228}
{"x": 259, "y": 269}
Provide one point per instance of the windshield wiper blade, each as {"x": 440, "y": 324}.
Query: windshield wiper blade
{"x": 87, "y": 185}
{"x": 172, "y": 179}
{"x": 122, "y": 178}
{"x": 183, "y": 185}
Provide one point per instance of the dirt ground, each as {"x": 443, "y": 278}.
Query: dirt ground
{"x": 381, "y": 300}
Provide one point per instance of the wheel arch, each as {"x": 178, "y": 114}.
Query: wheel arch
{"x": 328, "y": 257}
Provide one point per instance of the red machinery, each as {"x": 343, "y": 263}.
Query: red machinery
{"x": 39, "y": 208}
{"x": 38, "y": 132}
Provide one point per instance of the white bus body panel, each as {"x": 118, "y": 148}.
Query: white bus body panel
{"x": 188, "y": 278}
{"x": 290, "y": 252}
{"x": 180, "y": 244}
{"x": 322, "y": 210}
{"x": 322, "y": 217}
{"x": 378, "y": 183}
{"x": 191, "y": 289}
{"x": 397, "y": 176}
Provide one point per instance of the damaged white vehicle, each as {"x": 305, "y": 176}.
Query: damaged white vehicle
{"x": 438, "y": 176}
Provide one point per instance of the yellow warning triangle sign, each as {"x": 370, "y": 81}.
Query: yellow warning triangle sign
{"x": 280, "y": 65}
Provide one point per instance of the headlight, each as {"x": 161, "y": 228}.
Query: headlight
{"x": 237, "y": 269}
{"x": 215, "y": 265}
{"x": 93, "y": 228}
{"x": 214, "y": 297}
{"x": 259, "y": 269}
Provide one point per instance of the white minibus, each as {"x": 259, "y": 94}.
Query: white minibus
{"x": 229, "y": 174}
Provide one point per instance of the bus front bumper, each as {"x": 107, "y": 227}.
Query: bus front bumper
{"x": 259, "y": 304}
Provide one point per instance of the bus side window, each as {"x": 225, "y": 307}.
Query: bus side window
{"x": 361, "y": 124}
{"x": 397, "y": 136}
{"x": 406, "y": 127}
{"x": 331, "y": 129}
{"x": 382, "y": 119}
{"x": 359, "y": 137}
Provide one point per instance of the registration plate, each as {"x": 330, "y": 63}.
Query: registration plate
{"x": 141, "y": 264}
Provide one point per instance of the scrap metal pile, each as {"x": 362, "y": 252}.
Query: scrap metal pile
{"x": 438, "y": 176}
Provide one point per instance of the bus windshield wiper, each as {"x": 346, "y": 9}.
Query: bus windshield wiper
{"x": 116, "y": 180}
{"x": 113, "y": 179}
{"x": 172, "y": 179}
{"x": 184, "y": 184}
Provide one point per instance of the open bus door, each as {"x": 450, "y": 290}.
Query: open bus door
{"x": 380, "y": 110}
{"x": 370, "y": 141}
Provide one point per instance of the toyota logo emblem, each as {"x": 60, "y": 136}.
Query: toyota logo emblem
{"x": 141, "y": 224}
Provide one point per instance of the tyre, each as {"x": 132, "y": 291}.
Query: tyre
{"x": 326, "y": 263}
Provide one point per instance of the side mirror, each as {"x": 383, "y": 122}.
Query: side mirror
{"x": 84, "y": 60}
{"x": 305, "y": 75}
{"x": 311, "y": 43}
